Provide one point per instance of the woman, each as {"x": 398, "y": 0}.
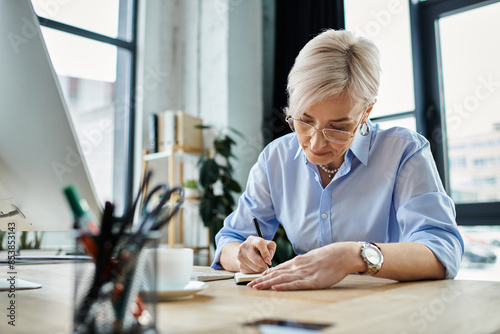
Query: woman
{"x": 351, "y": 196}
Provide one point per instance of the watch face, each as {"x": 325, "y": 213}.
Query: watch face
{"x": 372, "y": 255}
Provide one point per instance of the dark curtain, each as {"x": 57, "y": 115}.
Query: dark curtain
{"x": 297, "y": 22}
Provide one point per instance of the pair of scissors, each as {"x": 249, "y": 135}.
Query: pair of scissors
{"x": 153, "y": 217}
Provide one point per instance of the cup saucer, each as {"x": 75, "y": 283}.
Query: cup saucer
{"x": 188, "y": 291}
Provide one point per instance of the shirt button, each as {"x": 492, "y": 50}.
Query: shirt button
{"x": 324, "y": 216}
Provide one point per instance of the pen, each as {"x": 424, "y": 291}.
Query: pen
{"x": 85, "y": 221}
{"x": 259, "y": 232}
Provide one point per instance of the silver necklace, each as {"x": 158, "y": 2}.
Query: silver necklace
{"x": 330, "y": 172}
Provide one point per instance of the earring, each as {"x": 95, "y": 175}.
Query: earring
{"x": 364, "y": 129}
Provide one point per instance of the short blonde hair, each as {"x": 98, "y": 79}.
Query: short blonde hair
{"x": 334, "y": 64}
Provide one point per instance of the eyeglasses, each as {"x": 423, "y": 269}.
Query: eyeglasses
{"x": 304, "y": 129}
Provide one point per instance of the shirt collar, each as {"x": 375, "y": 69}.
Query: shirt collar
{"x": 360, "y": 146}
{"x": 299, "y": 151}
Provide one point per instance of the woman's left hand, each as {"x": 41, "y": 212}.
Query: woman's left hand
{"x": 317, "y": 269}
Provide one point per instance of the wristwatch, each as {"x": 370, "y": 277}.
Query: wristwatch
{"x": 372, "y": 255}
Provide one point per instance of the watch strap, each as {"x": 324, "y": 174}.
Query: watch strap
{"x": 373, "y": 268}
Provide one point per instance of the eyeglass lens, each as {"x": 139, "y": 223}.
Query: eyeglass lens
{"x": 330, "y": 134}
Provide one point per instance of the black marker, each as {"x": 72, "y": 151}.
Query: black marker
{"x": 259, "y": 232}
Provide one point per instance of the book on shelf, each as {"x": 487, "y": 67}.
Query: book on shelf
{"x": 174, "y": 128}
{"x": 166, "y": 130}
{"x": 152, "y": 133}
{"x": 186, "y": 132}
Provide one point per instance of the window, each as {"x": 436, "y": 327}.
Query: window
{"x": 91, "y": 45}
{"x": 458, "y": 163}
{"x": 471, "y": 95}
{"x": 441, "y": 77}
{"x": 407, "y": 122}
{"x": 461, "y": 92}
{"x": 101, "y": 17}
{"x": 484, "y": 162}
{"x": 387, "y": 23}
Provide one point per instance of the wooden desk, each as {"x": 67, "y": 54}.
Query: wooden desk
{"x": 357, "y": 304}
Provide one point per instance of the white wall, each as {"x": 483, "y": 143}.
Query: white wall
{"x": 203, "y": 57}
{"x": 245, "y": 96}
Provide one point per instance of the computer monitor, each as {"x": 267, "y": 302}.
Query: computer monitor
{"x": 39, "y": 152}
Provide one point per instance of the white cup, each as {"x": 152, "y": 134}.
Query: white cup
{"x": 175, "y": 266}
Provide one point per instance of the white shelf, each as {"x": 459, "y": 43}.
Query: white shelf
{"x": 175, "y": 233}
{"x": 178, "y": 150}
{"x": 157, "y": 156}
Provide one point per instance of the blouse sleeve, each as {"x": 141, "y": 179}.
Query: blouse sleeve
{"x": 424, "y": 211}
{"x": 256, "y": 202}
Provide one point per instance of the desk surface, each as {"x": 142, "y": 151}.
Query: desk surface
{"x": 357, "y": 304}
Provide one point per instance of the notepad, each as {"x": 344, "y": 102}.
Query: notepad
{"x": 240, "y": 278}
{"x": 210, "y": 276}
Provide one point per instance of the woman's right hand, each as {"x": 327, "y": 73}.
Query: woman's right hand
{"x": 255, "y": 254}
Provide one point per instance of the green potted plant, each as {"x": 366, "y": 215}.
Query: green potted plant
{"x": 216, "y": 182}
{"x": 191, "y": 189}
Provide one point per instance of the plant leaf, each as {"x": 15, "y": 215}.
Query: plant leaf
{"x": 203, "y": 156}
{"x": 230, "y": 200}
{"x": 222, "y": 204}
{"x": 229, "y": 140}
{"x": 207, "y": 208}
{"x": 234, "y": 185}
{"x": 227, "y": 170}
{"x": 223, "y": 148}
{"x": 205, "y": 212}
{"x": 209, "y": 172}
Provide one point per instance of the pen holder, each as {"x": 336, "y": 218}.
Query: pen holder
{"x": 111, "y": 294}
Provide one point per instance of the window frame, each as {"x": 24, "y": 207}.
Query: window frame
{"x": 124, "y": 133}
{"x": 428, "y": 112}
{"x": 418, "y": 111}
{"x": 426, "y": 14}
